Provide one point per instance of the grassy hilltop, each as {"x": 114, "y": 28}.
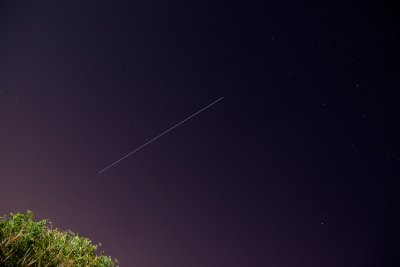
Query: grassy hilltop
{"x": 25, "y": 242}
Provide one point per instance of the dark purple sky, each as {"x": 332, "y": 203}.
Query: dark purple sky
{"x": 296, "y": 166}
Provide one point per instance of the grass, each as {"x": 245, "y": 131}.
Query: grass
{"x": 25, "y": 242}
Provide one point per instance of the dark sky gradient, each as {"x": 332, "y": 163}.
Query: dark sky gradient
{"x": 297, "y": 166}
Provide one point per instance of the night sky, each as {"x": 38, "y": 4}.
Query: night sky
{"x": 298, "y": 165}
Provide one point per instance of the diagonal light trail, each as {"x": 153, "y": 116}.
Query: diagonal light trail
{"x": 158, "y": 136}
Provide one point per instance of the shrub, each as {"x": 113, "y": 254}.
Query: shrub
{"x": 24, "y": 242}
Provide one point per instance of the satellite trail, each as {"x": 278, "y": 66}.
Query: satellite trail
{"x": 158, "y": 136}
